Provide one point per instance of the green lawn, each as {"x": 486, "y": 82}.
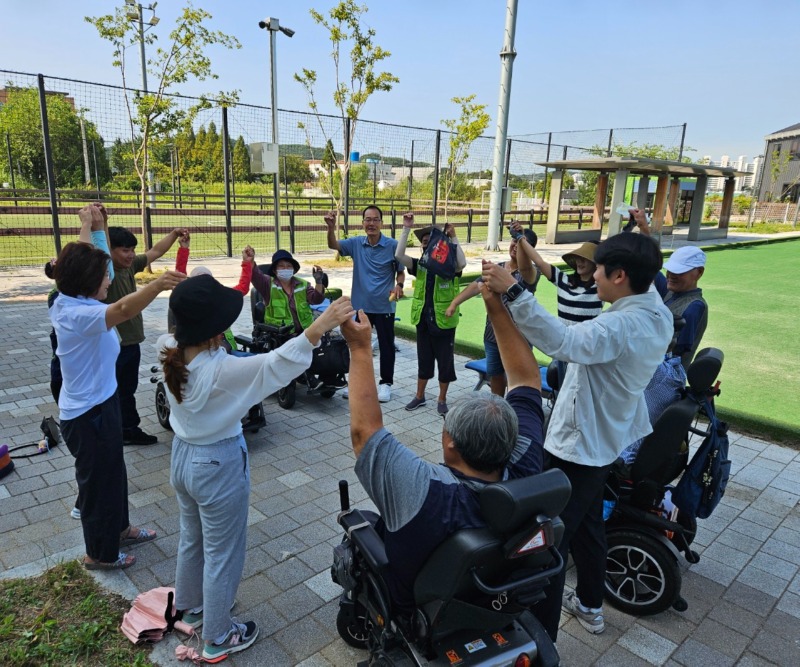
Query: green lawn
{"x": 753, "y": 319}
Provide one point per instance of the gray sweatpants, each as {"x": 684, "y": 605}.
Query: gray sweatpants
{"x": 212, "y": 483}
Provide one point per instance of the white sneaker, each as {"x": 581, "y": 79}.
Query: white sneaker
{"x": 375, "y": 348}
{"x": 590, "y": 619}
{"x": 384, "y": 393}
{"x": 75, "y": 513}
{"x": 345, "y": 393}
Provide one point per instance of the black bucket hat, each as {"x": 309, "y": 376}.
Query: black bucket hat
{"x": 278, "y": 256}
{"x": 203, "y": 308}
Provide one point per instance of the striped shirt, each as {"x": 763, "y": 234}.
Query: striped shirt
{"x": 576, "y": 303}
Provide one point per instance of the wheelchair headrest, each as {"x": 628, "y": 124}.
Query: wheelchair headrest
{"x": 704, "y": 370}
{"x": 551, "y": 376}
{"x": 506, "y": 506}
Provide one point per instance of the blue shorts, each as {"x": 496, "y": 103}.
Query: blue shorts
{"x": 493, "y": 364}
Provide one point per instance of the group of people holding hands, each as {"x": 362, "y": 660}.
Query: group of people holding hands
{"x": 608, "y": 357}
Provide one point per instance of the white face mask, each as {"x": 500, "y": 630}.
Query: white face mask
{"x": 284, "y": 274}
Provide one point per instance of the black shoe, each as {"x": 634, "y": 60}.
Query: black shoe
{"x": 137, "y": 436}
{"x": 337, "y": 382}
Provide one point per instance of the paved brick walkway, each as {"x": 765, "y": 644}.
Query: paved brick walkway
{"x": 744, "y": 595}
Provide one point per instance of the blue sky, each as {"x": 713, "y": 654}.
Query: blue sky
{"x": 725, "y": 67}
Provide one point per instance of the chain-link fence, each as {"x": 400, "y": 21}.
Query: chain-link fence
{"x": 200, "y": 175}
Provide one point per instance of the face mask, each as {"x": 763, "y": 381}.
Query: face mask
{"x": 284, "y": 274}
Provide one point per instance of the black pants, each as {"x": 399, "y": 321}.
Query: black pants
{"x": 438, "y": 346}
{"x": 384, "y": 327}
{"x": 584, "y": 537}
{"x": 95, "y": 440}
{"x": 127, "y": 383}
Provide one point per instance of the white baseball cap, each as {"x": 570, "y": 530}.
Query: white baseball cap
{"x": 685, "y": 259}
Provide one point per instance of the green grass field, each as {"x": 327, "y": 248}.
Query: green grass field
{"x": 753, "y": 319}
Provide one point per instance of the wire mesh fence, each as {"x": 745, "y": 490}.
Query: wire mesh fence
{"x": 200, "y": 176}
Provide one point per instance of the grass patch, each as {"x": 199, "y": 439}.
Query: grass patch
{"x": 63, "y": 618}
{"x": 753, "y": 319}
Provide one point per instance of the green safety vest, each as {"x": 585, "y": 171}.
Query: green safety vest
{"x": 277, "y": 311}
{"x": 228, "y": 334}
{"x": 444, "y": 291}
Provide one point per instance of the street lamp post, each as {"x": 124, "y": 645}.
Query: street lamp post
{"x": 273, "y": 25}
{"x": 135, "y": 13}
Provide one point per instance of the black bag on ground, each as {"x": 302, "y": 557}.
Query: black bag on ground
{"x": 440, "y": 256}
{"x": 703, "y": 482}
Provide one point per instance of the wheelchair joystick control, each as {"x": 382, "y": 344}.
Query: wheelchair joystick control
{"x": 344, "y": 495}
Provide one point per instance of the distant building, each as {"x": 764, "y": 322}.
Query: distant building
{"x": 742, "y": 183}
{"x": 5, "y": 91}
{"x": 782, "y": 149}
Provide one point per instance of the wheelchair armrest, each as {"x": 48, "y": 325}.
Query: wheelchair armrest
{"x": 363, "y": 534}
{"x": 245, "y": 341}
{"x": 540, "y": 577}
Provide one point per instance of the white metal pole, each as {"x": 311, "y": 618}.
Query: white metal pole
{"x": 507, "y": 56}
{"x": 273, "y": 63}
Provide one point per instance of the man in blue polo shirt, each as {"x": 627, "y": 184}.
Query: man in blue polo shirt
{"x": 485, "y": 439}
{"x": 377, "y": 283}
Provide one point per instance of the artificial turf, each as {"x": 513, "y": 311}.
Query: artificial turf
{"x": 753, "y": 319}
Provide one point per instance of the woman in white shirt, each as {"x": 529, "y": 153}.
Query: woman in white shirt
{"x": 209, "y": 392}
{"x": 88, "y": 404}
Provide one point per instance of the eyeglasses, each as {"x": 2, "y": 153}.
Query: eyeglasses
{"x": 372, "y": 220}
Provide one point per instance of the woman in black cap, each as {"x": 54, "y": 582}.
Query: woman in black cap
{"x": 209, "y": 391}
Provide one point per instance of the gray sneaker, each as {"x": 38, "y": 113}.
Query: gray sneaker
{"x": 591, "y": 620}
{"x": 415, "y": 403}
{"x": 240, "y": 637}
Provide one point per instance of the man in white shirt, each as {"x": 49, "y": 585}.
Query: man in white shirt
{"x": 600, "y": 407}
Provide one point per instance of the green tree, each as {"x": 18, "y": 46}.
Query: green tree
{"x": 354, "y": 84}
{"x": 156, "y": 113}
{"x": 464, "y": 130}
{"x": 328, "y": 161}
{"x": 21, "y": 119}
{"x": 240, "y": 162}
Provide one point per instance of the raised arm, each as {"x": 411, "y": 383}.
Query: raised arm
{"x": 450, "y": 232}
{"x": 248, "y": 255}
{"x": 531, "y": 253}
{"x": 319, "y": 282}
{"x": 165, "y": 244}
{"x": 182, "y": 259}
{"x": 400, "y": 254}
{"x": 524, "y": 263}
{"x": 330, "y": 221}
{"x": 131, "y": 305}
{"x": 365, "y": 411}
{"x": 522, "y": 369}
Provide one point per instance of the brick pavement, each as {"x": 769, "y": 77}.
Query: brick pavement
{"x": 744, "y": 595}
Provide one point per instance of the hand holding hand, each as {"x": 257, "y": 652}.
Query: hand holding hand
{"x": 496, "y": 277}
{"x": 248, "y": 254}
{"x": 358, "y": 334}
{"x": 184, "y": 240}
{"x": 103, "y": 211}
{"x": 169, "y": 280}
{"x": 408, "y": 220}
{"x": 339, "y": 311}
{"x": 180, "y": 231}
{"x": 91, "y": 216}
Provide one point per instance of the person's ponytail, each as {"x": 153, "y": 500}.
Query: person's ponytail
{"x": 175, "y": 372}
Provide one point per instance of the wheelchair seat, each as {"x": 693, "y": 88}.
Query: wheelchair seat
{"x": 459, "y": 584}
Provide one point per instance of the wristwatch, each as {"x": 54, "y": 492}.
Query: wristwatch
{"x": 514, "y": 291}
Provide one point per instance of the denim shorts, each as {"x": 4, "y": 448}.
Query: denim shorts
{"x": 493, "y": 364}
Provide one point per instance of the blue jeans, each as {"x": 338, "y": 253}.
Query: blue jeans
{"x": 212, "y": 484}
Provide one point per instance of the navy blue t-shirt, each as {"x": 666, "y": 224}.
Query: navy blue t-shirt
{"x": 421, "y": 503}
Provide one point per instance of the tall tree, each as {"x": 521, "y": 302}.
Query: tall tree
{"x": 156, "y": 113}
{"x": 464, "y": 130}
{"x": 21, "y": 119}
{"x": 355, "y": 81}
{"x": 240, "y": 162}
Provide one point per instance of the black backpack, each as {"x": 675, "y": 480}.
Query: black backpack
{"x": 703, "y": 482}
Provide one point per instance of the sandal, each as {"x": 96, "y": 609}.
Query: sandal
{"x": 124, "y": 560}
{"x": 136, "y": 536}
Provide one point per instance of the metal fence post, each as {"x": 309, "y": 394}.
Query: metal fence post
{"x": 148, "y": 226}
{"x": 11, "y": 169}
{"x": 291, "y": 231}
{"x": 346, "y": 176}
{"x": 393, "y": 222}
{"x": 226, "y": 168}
{"x": 469, "y": 225}
{"x": 96, "y": 175}
{"x": 683, "y": 138}
{"x": 436, "y": 175}
{"x": 48, "y": 162}
{"x": 609, "y": 150}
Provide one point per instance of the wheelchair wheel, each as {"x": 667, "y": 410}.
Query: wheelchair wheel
{"x": 642, "y": 576}
{"x": 162, "y": 406}
{"x": 287, "y": 396}
{"x": 352, "y": 630}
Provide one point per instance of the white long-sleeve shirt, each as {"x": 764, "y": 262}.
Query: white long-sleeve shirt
{"x": 601, "y": 407}
{"x": 221, "y": 388}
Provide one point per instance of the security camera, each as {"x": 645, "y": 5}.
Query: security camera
{"x": 287, "y": 31}
{"x": 263, "y": 25}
